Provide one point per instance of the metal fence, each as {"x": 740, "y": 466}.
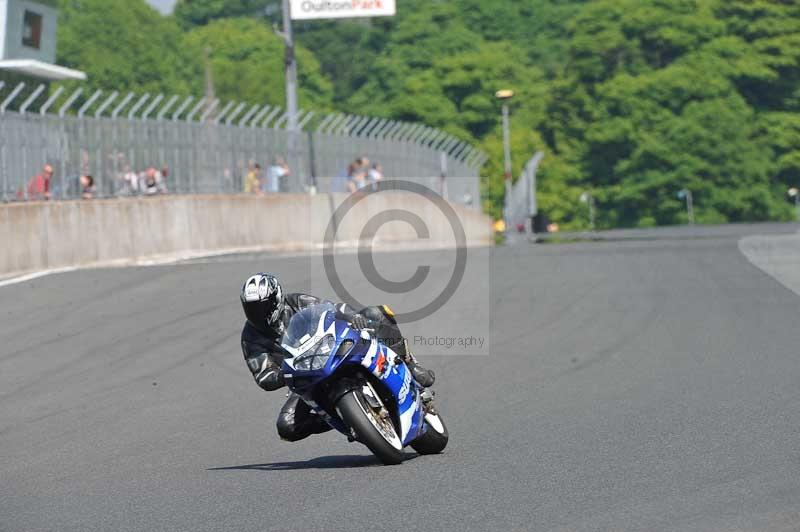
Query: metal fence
{"x": 520, "y": 202}
{"x": 204, "y": 146}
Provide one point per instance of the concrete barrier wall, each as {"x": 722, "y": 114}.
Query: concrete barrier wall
{"x": 47, "y": 235}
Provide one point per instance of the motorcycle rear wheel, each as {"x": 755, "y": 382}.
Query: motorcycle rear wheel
{"x": 376, "y": 432}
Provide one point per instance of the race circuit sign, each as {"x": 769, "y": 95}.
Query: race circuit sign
{"x": 312, "y": 9}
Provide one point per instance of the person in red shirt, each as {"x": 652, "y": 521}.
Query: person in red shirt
{"x": 39, "y": 186}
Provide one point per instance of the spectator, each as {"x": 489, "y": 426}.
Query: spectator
{"x": 276, "y": 173}
{"x": 375, "y": 173}
{"x": 130, "y": 182}
{"x": 39, "y": 186}
{"x": 358, "y": 175}
{"x": 164, "y": 176}
{"x": 87, "y": 186}
{"x": 153, "y": 183}
{"x": 252, "y": 181}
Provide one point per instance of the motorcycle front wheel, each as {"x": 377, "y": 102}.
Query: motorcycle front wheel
{"x": 435, "y": 438}
{"x": 371, "y": 424}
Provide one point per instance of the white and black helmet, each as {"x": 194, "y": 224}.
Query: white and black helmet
{"x": 262, "y": 301}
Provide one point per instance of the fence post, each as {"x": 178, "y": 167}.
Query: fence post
{"x": 74, "y": 96}
{"x": 248, "y": 115}
{"x": 325, "y": 121}
{"x": 378, "y": 131}
{"x": 333, "y": 124}
{"x": 166, "y": 107}
{"x": 270, "y": 116}
{"x": 312, "y": 162}
{"x": 195, "y": 109}
{"x": 88, "y": 103}
{"x": 222, "y": 112}
{"x": 53, "y": 97}
{"x": 138, "y": 105}
{"x": 150, "y": 108}
{"x": 181, "y": 108}
{"x": 209, "y": 110}
{"x": 118, "y": 109}
{"x": 279, "y": 122}
{"x": 231, "y": 117}
{"x": 305, "y": 120}
{"x": 10, "y": 97}
{"x": 3, "y": 165}
{"x": 105, "y": 104}
{"x": 30, "y": 99}
{"x": 443, "y": 174}
{"x": 259, "y": 116}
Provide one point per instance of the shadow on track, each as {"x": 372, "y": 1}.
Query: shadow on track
{"x": 322, "y": 462}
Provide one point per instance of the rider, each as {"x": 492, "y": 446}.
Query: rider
{"x": 268, "y": 312}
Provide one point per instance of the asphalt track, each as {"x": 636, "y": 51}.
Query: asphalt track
{"x": 632, "y": 385}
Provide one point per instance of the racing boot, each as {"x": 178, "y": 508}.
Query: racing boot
{"x": 427, "y": 401}
{"x": 425, "y": 377}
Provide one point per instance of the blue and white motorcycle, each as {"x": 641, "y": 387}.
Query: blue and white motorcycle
{"x": 359, "y": 386}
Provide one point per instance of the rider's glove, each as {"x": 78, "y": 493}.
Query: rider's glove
{"x": 359, "y": 322}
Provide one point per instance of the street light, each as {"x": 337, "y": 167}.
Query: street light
{"x": 504, "y": 95}
{"x": 588, "y": 199}
{"x": 687, "y": 195}
{"x": 794, "y": 193}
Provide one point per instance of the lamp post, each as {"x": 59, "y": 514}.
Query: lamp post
{"x": 794, "y": 193}
{"x": 687, "y": 195}
{"x": 290, "y": 64}
{"x": 588, "y": 199}
{"x": 504, "y": 95}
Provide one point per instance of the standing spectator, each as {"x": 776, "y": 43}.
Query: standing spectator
{"x": 130, "y": 182}
{"x": 375, "y": 173}
{"x": 358, "y": 175}
{"x": 252, "y": 181}
{"x": 39, "y": 186}
{"x": 276, "y": 173}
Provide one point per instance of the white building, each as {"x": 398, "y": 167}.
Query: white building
{"x": 28, "y": 40}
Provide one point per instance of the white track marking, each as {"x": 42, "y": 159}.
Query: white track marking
{"x": 211, "y": 257}
{"x": 777, "y": 256}
{"x": 34, "y": 275}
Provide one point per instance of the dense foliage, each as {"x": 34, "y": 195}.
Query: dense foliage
{"x": 631, "y": 99}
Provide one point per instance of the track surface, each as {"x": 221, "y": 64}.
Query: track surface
{"x": 631, "y": 386}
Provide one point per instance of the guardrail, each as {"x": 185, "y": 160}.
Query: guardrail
{"x": 199, "y": 146}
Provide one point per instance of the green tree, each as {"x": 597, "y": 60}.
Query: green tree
{"x": 123, "y": 45}
{"x": 345, "y": 49}
{"x": 190, "y": 13}
{"x": 247, "y": 62}
{"x": 660, "y": 96}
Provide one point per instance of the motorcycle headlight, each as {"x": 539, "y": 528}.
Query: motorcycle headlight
{"x": 317, "y": 355}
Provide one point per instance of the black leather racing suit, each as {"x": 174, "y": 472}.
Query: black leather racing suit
{"x": 264, "y": 357}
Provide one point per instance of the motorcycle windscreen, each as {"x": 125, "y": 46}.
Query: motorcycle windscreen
{"x": 306, "y": 323}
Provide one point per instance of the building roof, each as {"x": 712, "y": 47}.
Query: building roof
{"x": 40, "y": 69}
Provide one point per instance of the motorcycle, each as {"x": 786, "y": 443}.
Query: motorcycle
{"x": 359, "y": 386}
